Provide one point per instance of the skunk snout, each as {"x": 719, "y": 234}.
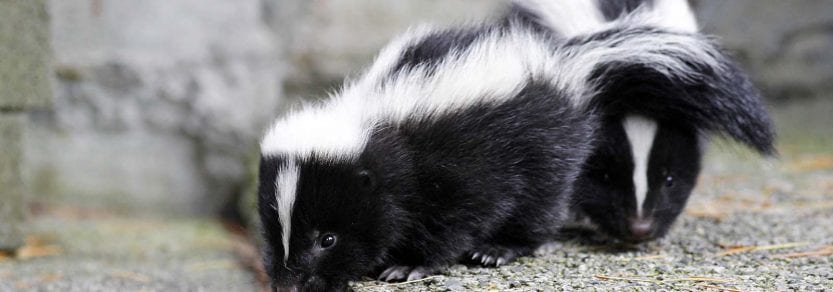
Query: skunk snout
{"x": 641, "y": 229}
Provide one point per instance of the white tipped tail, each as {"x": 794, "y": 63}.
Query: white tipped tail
{"x": 675, "y": 15}
{"x": 569, "y": 17}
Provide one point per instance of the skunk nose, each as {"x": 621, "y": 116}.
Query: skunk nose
{"x": 641, "y": 229}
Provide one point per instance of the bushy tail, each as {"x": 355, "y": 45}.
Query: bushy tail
{"x": 676, "y": 77}
{"x": 645, "y": 57}
{"x": 571, "y": 18}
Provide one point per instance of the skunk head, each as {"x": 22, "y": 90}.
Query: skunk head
{"x": 649, "y": 152}
{"x": 639, "y": 178}
{"x": 328, "y": 219}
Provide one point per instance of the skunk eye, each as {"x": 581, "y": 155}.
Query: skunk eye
{"x": 366, "y": 179}
{"x": 669, "y": 181}
{"x": 606, "y": 177}
{"x": 328, "y": 240}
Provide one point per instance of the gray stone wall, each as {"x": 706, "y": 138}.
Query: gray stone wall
{"x": 330, "y": 39}
{"x": 158, "y": 103}
{"x": 786, "y": 45}
{"x": 24, "y": 55}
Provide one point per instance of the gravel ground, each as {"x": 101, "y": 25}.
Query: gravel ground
{"x": 729, "y": 214}
{"x": 743, "y": 230}
{"x": 104, "y": 253}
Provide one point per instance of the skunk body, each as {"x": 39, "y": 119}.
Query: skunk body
{"x": 653, "y": 128}
{"x": 461, "y": 148}
{"x": 455, "y": 144}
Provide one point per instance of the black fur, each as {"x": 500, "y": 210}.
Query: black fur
{"x": 436, "y": 47}
{"x": 491, "y": 179}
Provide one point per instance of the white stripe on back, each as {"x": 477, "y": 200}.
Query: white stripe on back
{"x": 641, "y": 132}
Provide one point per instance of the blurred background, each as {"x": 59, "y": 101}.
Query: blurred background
{"x": 152, "y": 109}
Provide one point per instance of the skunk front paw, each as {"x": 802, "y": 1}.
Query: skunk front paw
{"x": 492, "y": 255}
{"x": 404, "y": 273}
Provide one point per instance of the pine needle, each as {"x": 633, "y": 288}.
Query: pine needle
{"x": 742, "y": 249}
{"x": 631, "y": 279}
{"x": 824, "y": 251}
{"x": 402, "y": 283}
{"x": 720, "y": 288}
{"x": 699, "y": 279}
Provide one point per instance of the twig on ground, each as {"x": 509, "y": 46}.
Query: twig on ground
{"x": 631, "y": 279}
{"x": 644, "y": 258}
{"x": 402, "y": 283}
{"x": 824, "y": 251}
{"x": 669, "y": 282}
{"x": 742, "y": 249}
{"x": 135, "y": 277}
{"x": 705, "y": 213}
{"x": 720, "y": 288}
{"x": 699, "y": 279}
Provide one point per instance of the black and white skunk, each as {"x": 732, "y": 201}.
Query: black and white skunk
{"x": 456, "y": 144}
{"x": 654, "y": 128}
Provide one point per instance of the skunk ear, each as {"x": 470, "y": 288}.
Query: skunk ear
{"x": 685, "y": 78}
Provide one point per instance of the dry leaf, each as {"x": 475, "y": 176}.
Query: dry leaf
{"x": 821, "y": 162}
{"x": 27, "y": 252}
{"x": 37, "y": 247}
{"x": 5, "y": 256}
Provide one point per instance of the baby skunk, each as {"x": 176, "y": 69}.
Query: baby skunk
{"x": 456, "y": 144}
{"x": 650, "y": 146}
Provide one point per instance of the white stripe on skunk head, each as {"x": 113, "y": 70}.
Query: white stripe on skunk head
{"x": 285, "y": 189}
{"x": 640, "y": 132}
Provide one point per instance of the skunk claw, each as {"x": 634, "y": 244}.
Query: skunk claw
{"x": 403, "y": 273}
